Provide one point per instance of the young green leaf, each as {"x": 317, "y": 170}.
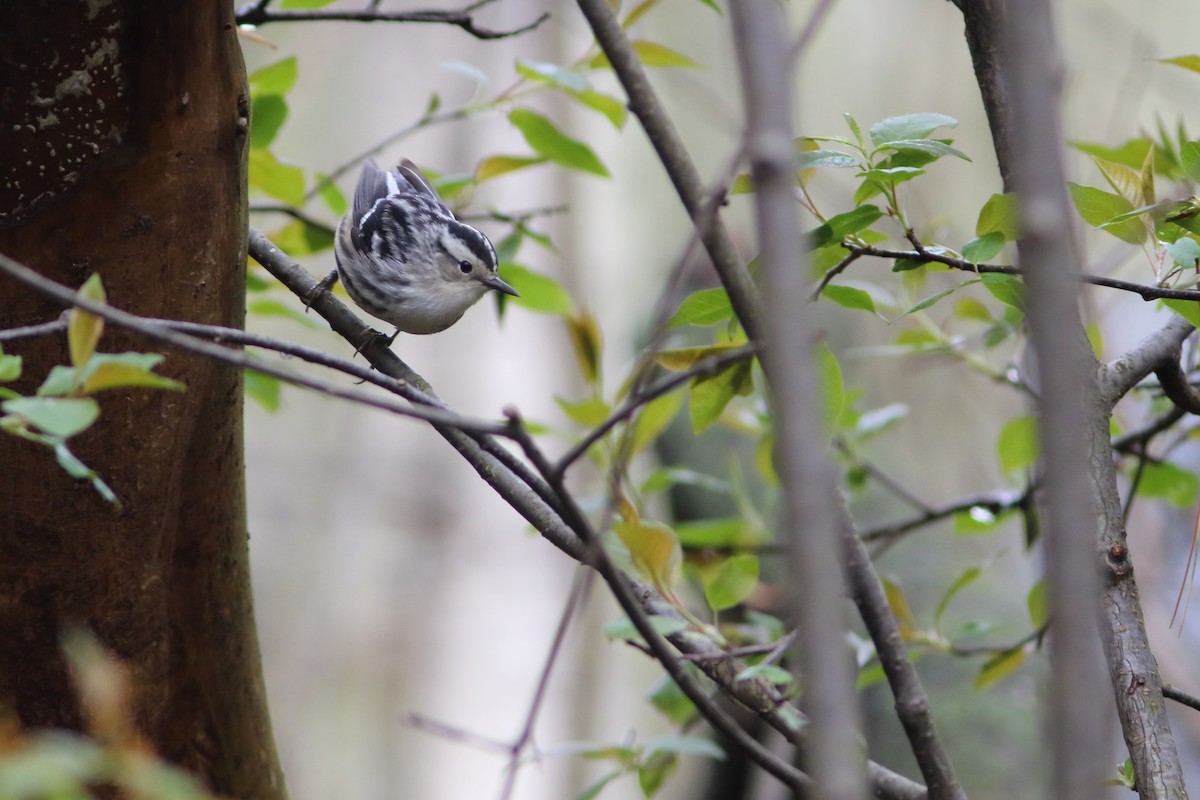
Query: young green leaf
{"x": 539, "y": 292}
{"x": 849, "y": 297}
{"x": 909, "y": 127}
{"x": 277, "y": 78}
{"x": 1037, "y": 604}
{"x": 547, "y": 140}
{"x": 267, "y": 115}
{"x": 983, "y": 248}
{"x": 1008, "y": 289}
{"x": 709, "y": 394}
{"x": 809, "y": 159}
{"x": 83, "y": 328}
{"x": 1017, "y": 445}
{"x": 998, "y": 668}
{"x": 1165, "y": 480}
{"x": 929, "y": 147}
{"x": 10, "y": 367}
{"x": 58, "y": 416}
{"x": 837, "y": 228}
{"x": 703, "y": 307}
{"x": 262, "y": 389}
{"x": 125, "y": 370}
{"x": 612, "y": 108}
{"x": 279, "y": 180}
{"x": 553, "y": 74}
{"x": 1188, "y": 309}
{"x": 654, "y": 551}
{"x": 1191, "y": 62}
{"x": 969, "y": 576}
{"x": 1098, "y": 208}
{"x": 732, "y": 582}
{"x": 589, "y": 412}
{"x": 999, "y": 215}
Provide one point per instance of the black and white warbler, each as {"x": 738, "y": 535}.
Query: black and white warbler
{"x": 405, "y": 259}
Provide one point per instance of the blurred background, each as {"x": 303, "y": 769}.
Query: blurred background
{"x": 391, "y": 582}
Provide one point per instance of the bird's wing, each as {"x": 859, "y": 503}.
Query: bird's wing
{"x": 420, "y": 184}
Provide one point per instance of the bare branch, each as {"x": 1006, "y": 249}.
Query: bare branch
{"x": 1125, "y": 372}
{"x": 923, "y": 255}
{"x": 644, "y": 103}
{"x": 1068, "y": 409}
{"x": 806, "y": 475}
{"x": 259, "y": 14}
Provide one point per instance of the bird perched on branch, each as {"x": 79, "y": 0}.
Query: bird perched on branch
{"x": 404, "y": 258}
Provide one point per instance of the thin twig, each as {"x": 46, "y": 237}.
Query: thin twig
{"x": 294, "y": 213}
{"x": 925, "y": 256}
{"x": 579, "y": 589}
{"x": 706, "y": 366}
{"x": 1179, "y": 696}
{"x": 259, "y": 14}
{"x": 31, "y": 331}
{"x": 159, "y": 332}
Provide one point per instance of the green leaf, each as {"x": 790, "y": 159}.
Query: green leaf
{"x": 1017, "y": 445}
{"x": 1191, "y": 62}
{"x": 833, "y": 390}
{"x": 1165, "y": 480}
{"x": 684, "y": 358}
{"x": 270, "y": 175}
{"x": 10, "y": 367}
{"x": 277, "y": 78}
{"x": 589, "y": 412}
{"x": 719, "y": 533}
{"x": 732, "y": 583}
{"x": 56, "y": 416}
{"x": 124, "y": 370}
{"x": 663, "y": 478}
{"x": 263, "y": 389}
{"x": 653, "y": 771}
{"x": 934, "y": 298}
{"x": 898, "y": 602}
{"x": 1188, "y": 309}
{"x": 1189, "y": 159}
{"x": 809, "y": 159}
{"x": 547, "y": 140}
{"x": 1132, "y": 153}
{"x": 970, "y": 308}
{"x": 999, "y": 214}
{"x": 703, "y": 307}
{"x": 1036, "y": 602}
{"x": 332, "y": 195}
{"x": 553, "y": 74}
{"x": 270, "y": 307}
{"x": 655, "y": 417}
{"x": 684, "y": 746}
{"x": 1008, "y": 289}
{"x": 651, "y": 54}
{"x": 931, "y": 147}
{"x": 906, "y": 264}
{"x": 909, "y": 127}
{"x": 839, "y": 227}
{"x": 588, "y": 343}
{"x": 709, "y": 394}
{"x": 539, "y": 292}
{"x": 671, "y": 702}
{"x": 305, "y": 4}
{"x": 1098, "y": 207}
{"x": 267, "y": 116}
{"x": 998, "y": 668}
{"x": 83, "y": 328}
{"x": 849, "y": 297}
{"x": 961, "y": 582}
{"x": 299, "y": 238}
{"x": 984, "y": 247}
{"x": 611, "y": 107}
{"x": 1184, "y": 251}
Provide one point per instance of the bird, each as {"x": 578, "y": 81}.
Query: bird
{"x": 404, "y": 257}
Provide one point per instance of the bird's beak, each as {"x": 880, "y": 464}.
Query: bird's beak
{"x": 494, "y": 282}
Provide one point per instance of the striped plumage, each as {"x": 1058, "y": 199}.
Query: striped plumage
{"x": 405, "y": 259}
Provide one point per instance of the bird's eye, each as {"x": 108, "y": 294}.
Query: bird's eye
{"x": 466, "y": 267}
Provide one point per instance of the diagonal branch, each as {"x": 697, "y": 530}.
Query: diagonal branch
{"x": 665, "y": 139}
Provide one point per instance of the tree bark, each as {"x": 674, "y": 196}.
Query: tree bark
{"x": 123, "y": 131}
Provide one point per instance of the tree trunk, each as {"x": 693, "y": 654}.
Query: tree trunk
{"x": 123, "y": 137}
